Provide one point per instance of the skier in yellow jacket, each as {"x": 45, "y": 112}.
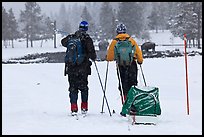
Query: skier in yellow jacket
{"x": 128, "y": 74}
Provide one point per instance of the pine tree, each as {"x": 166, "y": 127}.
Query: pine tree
{"x": 154, "y": 19}
{"x": 47, "y": 28}
{"x": 31, "y": 18}
{"x": 12, "y": 27}
{"x": 186, "y": 21}
{"x": 62, "y": 17}
{"x": 107, "y": 21}
{"x": 75, "y": 17}
{"x": 66, "y": 26}
{"x": 197, "y": 8}
{"x": 85, "y": 15}
{"x": 132, "y": 15}
{"x": 4, "y": 26}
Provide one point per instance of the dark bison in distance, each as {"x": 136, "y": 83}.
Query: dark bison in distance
{"x": 148, "y": 46}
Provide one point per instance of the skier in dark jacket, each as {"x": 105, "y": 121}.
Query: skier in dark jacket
{"x": 78, "y": 75}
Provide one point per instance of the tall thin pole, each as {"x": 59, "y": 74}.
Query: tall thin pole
{"x": 143, "y": 75}
{"x": 185, "y": 46}
{"x": 120, "y": 84}
{"x": 102, "y": 88}
{"x": 105, "y": 85}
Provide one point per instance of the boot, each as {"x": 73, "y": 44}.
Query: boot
{"x": 74, "y": 108}
{"x": 84, "y": 107}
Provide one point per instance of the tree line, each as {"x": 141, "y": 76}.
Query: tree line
{"x": 31, "y": 26}
{"x": 139, "y": 17}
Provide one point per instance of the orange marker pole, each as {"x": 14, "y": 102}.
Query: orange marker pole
{"x": 185, "y": 46}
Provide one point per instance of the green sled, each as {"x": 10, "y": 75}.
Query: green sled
{"x": 144, "y": 100}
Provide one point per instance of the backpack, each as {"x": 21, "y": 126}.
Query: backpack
{"x": 75, "y": 54}
{"x": 124, "y": 52}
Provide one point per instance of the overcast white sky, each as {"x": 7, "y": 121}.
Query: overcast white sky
{"x": 46, "y": 7}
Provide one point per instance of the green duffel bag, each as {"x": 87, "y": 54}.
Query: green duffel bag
{"x": 142, "y": 101}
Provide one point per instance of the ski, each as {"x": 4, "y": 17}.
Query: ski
{"x": 133, "y": 120}
{"x": 76, "y": 116}
{"x": 140, "y": 123}
{"x": 145, "y": 123}
{"x": 84, "y": 115}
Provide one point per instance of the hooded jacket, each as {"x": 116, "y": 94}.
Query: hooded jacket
{"x": 137, "y": 55}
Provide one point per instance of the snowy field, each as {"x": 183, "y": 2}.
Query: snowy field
{"x": 35, "y": 98}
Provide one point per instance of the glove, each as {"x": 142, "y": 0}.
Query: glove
{"x": 139, "y": 63}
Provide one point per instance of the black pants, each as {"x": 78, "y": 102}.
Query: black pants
{"x": 128, "y": 75}
{"x": 78, "y": 82}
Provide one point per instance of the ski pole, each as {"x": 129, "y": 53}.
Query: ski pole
{"x": 105, "y": 85}
{"x": 102, "y": 88}
{"x": 120, "y": 83}
{"x": 142, "y": 74}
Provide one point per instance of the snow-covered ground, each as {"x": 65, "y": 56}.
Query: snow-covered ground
{"x": 35, "y": 97}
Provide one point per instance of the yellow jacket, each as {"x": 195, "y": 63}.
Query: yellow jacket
{"x": 138, "y": 53}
